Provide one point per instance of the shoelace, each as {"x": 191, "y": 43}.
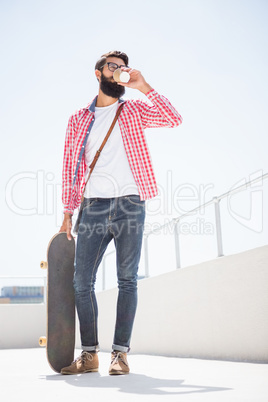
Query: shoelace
{"x": 83, "y": 357}
{"x": 118, "y": 356}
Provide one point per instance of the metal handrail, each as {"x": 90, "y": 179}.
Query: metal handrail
{"x": 174, "y": 223}
{"x": 206, "y": 204}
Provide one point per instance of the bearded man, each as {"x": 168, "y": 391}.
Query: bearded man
{"x": 113, "y": 206}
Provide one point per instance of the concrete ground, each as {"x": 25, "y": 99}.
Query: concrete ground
{"x": 26, "y": 376}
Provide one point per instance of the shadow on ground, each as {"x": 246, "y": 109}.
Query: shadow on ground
{"x": 134, "y": 384}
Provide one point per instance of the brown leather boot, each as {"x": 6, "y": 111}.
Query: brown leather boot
{"x": 86, "y": 363}
{"x": 119, "y": 364}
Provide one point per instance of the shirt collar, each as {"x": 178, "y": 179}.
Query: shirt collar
{"x": 91, "y": 107}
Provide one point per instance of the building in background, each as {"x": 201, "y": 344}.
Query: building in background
{"x": 22, "y": 294}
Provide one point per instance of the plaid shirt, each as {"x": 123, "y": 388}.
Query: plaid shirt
{"x": 135, "y": 116}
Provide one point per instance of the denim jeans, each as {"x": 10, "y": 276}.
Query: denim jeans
{"x": 104, "y": 219}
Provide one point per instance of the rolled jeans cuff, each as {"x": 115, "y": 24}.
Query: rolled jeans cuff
{"x": 91, "y": 348}
{"x": 124, "y": 349}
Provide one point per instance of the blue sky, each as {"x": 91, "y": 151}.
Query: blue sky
{"x": 208, "y": 57}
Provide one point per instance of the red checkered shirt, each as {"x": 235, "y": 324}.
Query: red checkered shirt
{"x": 135, "y": 116}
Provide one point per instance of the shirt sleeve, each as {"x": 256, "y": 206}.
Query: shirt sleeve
{"x": 67, "y": 168}
{"x": 160, "y": 114}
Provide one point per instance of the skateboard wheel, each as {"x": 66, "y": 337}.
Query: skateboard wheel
{"x": 42, "y": 341}
{"x": 43, "y": 264}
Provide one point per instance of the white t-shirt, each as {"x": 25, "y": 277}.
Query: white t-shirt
{"x": 112, "y": 176}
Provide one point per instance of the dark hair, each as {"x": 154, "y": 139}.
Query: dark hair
{"x": 115, "y": 53}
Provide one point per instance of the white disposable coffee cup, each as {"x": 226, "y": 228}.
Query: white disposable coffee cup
{"x": 121, "y": 76}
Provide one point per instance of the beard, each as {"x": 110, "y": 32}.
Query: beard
{"x": 111, "y": 88}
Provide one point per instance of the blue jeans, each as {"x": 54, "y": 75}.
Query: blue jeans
{"x": 104, "y": 219}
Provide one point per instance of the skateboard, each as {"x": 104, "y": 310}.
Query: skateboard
{"x": 60, "y": 339}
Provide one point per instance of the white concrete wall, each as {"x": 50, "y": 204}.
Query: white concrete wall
{"x": 21, "y": 325}
{"x": 214, "y": 310}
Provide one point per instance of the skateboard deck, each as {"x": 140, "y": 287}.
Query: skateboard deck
{"x": 60, "y": 339}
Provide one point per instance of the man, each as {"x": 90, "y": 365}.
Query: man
{"x": 114, "y": 203}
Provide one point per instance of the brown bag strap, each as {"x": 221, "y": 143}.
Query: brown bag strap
{"x": 97, "y": 155}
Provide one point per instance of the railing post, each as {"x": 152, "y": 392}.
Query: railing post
{"x": 146, "y": 257}
{"x": 177, "y": 245}
{"x": 218, "y": 226}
